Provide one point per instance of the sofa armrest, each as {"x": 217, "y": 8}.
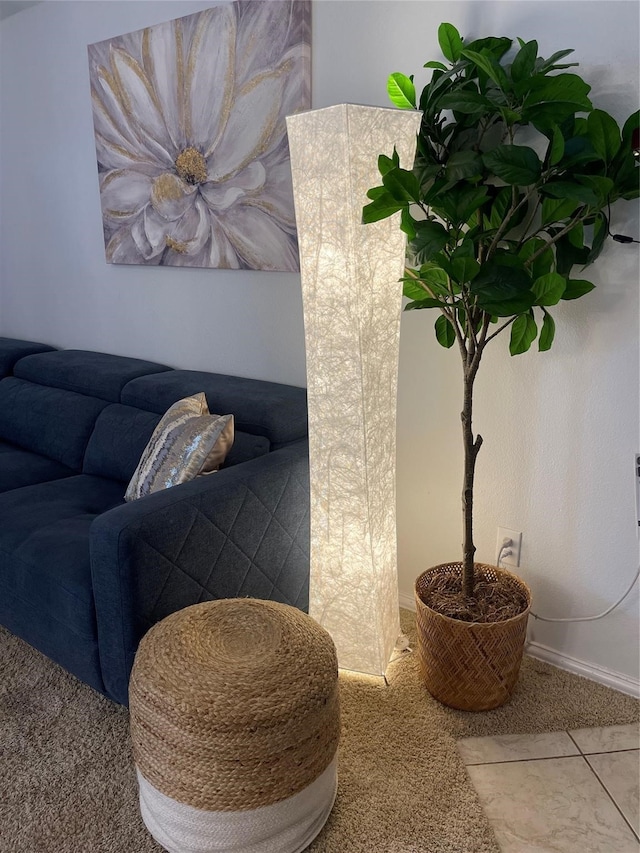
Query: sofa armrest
{"x": 243, "y": 531}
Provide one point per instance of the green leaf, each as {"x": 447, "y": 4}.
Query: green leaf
{"x": 421, "y": 297}
{"x": 385, "y": 164}
{"x": 470, "y": 201}
{"x": 402, "y": 185}
{"x": 524, "y": 61}
{"x": 490, "y": 66}
{"x": 464, "y": 269}
{"x": 553, "y": 99}
{"x": 450, "y": 42}
{"x": 466, "y": 101}
{"x": 425, "y": 173}
{"x": 601, "y": 186}
{"x": 465, "y": 249}
{"x": 380, "y": 208}
{"x": 463, "y": 164}
{"x": 557, "y": 209}
{"x": 445, "y": 332}
{"x": 548, "y": 289}
{"x": 430, "y": 238}
{"x": 545, "y": 261}
{"x": 631, "y": 193}
{"x": 523, "y": 334}
{"x": 407, "y": 224}
{"x": 500, "y": 208}
{"x": 434, "y": 64}
{"x": 514, "y": 164}
{"x": 547, "y": 333}
{"x": 568, "y": 256}
{"x": 556, "y": 146}
{"x": 624, "y": 167}
{"x": 577, "y": 151}
{"x": 576, "y": 288}
{"x": 545, "y": 65}
{"x": 503, "y": 290}
{"x": 435, "y": 278}
{"x": 460, "y": 203}
{"x": 427, "y": 302}
{"x": 412, "y": 290}
{"x": 497, "y": 47}
{"x": 510, "y": 117}
{"x": 631, "y": 124}
{"x": 440, "y": 82}
{"x": 576, "y": 236}
{"x": 604, "y": 133}
{"x": 376, "y": 192}
{"x": 600, "y": 231}
{"x": 568, "y": 189}
{"x": 401, "y": 91}
{"x": 567, "y": 90}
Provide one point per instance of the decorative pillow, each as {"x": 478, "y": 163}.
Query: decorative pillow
{"x": 187, "y": 442}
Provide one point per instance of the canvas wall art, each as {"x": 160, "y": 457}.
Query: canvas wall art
{"x": 191, "y": 142}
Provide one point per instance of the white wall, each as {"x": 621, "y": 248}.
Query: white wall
{"x": 58, "y": 287}
{"x": 560, "y": 428}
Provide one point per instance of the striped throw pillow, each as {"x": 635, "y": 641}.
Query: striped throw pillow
{"x": 187, "y": 442}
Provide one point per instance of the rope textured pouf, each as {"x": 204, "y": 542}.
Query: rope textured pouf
{"x": 235, "y": 725}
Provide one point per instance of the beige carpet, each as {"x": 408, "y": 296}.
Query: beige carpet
{"x": 67, "y": 783}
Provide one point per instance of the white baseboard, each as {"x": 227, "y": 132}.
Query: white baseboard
{"x": 594, "y": 672}
{"x": 407, "y": 601}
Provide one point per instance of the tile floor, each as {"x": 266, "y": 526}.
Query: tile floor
{"x": 567, "y": 792}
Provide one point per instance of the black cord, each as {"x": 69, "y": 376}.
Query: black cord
{"x": 619, "y": 238}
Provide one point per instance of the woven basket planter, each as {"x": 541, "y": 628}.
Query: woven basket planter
{"x": 472, "y": 666}
{"x": 235, "y": 726}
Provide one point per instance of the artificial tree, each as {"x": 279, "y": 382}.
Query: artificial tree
{"x": 511, "y": 190}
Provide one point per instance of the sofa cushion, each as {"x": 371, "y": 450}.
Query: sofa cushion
{"x": 97, "y": 374}
{"x": 20, "y": 467}
{"x": 12, "y": 350}
{"x": 118, "y": 440}
{"x": 278, "y": 412}
{"x": 44, "y": 545}
{"x": 54, "y": 423}
{"x": 246, "y": 447}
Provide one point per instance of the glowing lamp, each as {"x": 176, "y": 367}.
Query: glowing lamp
{"x": 352, "y": 302}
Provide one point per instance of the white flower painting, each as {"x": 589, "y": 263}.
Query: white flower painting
{"x": 189, "y": 120}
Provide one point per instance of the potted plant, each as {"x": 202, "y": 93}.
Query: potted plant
{"x": 513, "y": 181}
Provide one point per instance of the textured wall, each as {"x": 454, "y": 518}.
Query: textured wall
{"x": 560, "y": 428}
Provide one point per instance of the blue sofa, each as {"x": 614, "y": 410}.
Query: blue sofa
{"x": 83, "y": 575}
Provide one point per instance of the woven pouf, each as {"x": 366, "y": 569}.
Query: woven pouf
{"x": 235, "y": 723}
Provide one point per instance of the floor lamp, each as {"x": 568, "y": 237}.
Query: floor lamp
{"x": 352, "y": 302}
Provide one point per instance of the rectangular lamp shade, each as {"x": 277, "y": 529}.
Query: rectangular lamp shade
{"x": 352, "y": 302}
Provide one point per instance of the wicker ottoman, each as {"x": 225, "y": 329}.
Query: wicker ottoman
{"x": 235, "y": 726}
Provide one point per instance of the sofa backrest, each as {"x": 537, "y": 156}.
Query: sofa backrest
{"x": 12, "y": 350}
{"x": 276, "y": 412}
{"x": 49, "y": 421}
{"x": 96, "y": 374}
{"x": 95, "y": 412}
{"x": 51, "y": 403}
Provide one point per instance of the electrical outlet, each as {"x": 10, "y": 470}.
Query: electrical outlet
{"x": 512, "y": 559}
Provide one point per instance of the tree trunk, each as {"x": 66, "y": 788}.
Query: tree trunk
{"x": 471, "y": 448}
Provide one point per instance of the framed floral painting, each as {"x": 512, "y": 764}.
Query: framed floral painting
{"x": 189, "y": 120}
